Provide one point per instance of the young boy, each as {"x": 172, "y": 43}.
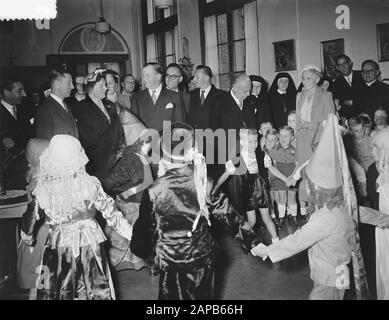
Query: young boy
{"x": 282, "y": 165}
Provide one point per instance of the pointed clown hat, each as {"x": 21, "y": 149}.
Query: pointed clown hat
{"x": 133, "y": 128}
{"x": 323, "y": 168}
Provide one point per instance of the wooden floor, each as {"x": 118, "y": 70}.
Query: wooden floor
{"x": 238, "y": 276}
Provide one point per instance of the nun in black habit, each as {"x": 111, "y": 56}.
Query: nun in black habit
{"x": 282, "y": 98}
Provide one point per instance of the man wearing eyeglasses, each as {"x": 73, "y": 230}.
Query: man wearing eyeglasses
{"x": 125, "y": 97}
{"x": 374, "y": 93}
{"x": 173, "y": 81}
{"x": 345, "y": 88}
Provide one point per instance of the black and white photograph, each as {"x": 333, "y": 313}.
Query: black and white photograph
{"x": 216, "y": 151}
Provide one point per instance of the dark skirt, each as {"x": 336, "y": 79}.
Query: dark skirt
{"x": 196, "y": 283}
{"x": 64, "y": 277}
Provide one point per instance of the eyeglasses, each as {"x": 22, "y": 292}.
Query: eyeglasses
{"x": 368, "y": 71}
{"x": 172, "y": 76}
{"x": 344, "y": 64}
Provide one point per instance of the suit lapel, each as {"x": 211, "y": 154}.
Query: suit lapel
{"x": 96, "y": 110}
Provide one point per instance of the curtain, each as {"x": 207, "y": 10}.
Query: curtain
{"x": 177, "y": 48}
{"x": 150, "y": 48}
{"x": 211, "y": 56}
{"x": 251, "y": 36}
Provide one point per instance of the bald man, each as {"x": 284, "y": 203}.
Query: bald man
{"x": 231, "y": 112}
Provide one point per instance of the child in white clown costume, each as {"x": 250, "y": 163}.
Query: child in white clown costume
{"x": 331, "y": 233}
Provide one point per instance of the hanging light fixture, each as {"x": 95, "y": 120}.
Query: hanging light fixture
{"x": 102, "y": 26}
{"x": 163, "y": 4}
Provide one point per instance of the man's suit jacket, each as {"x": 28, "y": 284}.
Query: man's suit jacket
{"x": 227, "y": 115}
{"x": 373, "y": 97}
{"x": 199, "y": 115}
{"x": 169, "y": 107}
{"x": 100, "y": 138}
{"x": 52, "y": 119}
{"x": 185, "y": 97}
{"x": 343, "y": 91}
{"x": 18, "y": 130}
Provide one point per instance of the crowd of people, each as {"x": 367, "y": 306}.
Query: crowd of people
{"x": 282, "y": 154}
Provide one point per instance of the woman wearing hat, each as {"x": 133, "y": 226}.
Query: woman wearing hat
{"x": 101, "y": 133}
{"x": 313, "y": 104}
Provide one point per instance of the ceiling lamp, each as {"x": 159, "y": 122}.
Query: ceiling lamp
{"x": 163, "y": 4}
{"x": 102, "y": 26}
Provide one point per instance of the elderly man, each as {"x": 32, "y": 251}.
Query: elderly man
{"x": 232, "y": 113}
{"x": 374, "y": 93}
{"x": 346, "y": 87}
{"x": 54, "y": 116}
{"x": 156, "y": 104}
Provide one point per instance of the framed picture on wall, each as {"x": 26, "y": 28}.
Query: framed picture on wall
{"x": 330, "y": 50}
{"x": 285, "y": 55}
{"x": 383, "y": 41}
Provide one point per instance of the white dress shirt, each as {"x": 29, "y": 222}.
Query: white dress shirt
{"x": 349, "y": 78}
{"x": 157, "y": 91}
{"x": 59, "y": 100}
{"x": 236, "y": 100}
{"x": 11, "y": 109}
{"x": 206, "y": 91}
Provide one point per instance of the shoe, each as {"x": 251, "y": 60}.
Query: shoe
{"x": 248, "y": 239}
{"x": 303, "y": 220}
{"x": 282, "y": 222}
{"x": 293, "y": 221}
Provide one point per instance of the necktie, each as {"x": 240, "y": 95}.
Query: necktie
{"x": 202, "y": 96}
{"x": 154, "y": 96}
{"x": 240, "y": 104}
{"x": 65, "y": 106}
{"x": 14, "y": 112}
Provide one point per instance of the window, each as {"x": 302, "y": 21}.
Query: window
{"x": 225, "y": 35}
{"x": 161, "y": 36}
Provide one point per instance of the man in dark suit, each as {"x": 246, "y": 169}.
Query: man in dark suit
{"x": 346, "y": 87}
{"x": 15, "y": 129}
{"x": 14, "y": 134}
{"x": 374, "y": 93}
{"x": 232, "y": 113}
{"x": 174, "y": 81}
{"x": 156, "y": 104}
{"x": 203, "y": 98}
{"x": 54, "y": 116}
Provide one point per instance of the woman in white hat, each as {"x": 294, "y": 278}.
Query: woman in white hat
{"x": 313, "y": 104}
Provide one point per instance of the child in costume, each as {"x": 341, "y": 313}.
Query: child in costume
{"x": 381, "y": 155}
{"x": 248, "y": 190}
{"x": 74, "y": 264}
{"x": 126, "y": 182}
{"x": 30, "y": 255}
{"x": 331, "y": 232}
{"x": 282, "y": 164}
{"x": 174, "y": 219}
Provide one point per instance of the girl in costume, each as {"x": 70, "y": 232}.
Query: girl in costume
{"x": 74, "y": 264}
{"x": 248, "y": 190}
{"x": 126, "y": 182}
